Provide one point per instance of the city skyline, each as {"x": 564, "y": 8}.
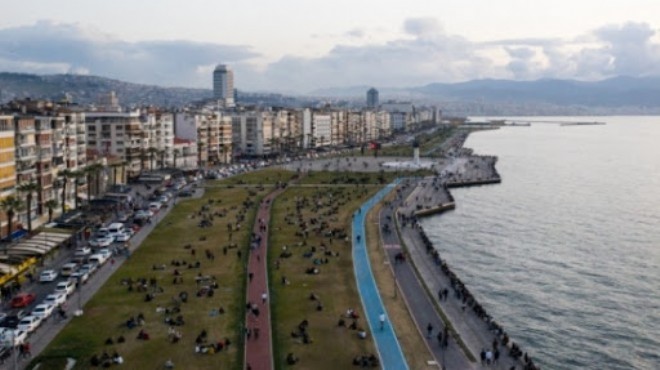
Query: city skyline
{"x": 299, "y": 47}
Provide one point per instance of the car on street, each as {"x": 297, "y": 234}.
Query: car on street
{"x": 7, "y": 336}
{"x": 29, "y": 323}
{"x": 103, "y": 241}
{"x": 55, "y": 299}
{"x": 185, "y": 193}
{"x": 48, "y": 276}
{"x": 104, "y": 252}
{"x": 154, "y": 206}
{"x": 90, "y": 267}
{"x": 80, "y": 276}
{"x": 43, "y": 310}
{"x": 124, "y": 236}
{"x": 67, "y": 287}
{"x": 83, "y": 251}
{"x": 22, "y": 300}
{"x": 143, "y": 214}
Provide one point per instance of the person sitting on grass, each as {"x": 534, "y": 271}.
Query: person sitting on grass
{"x": 291, "y": 359}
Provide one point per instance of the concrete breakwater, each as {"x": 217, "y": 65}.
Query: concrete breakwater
{"x": 482, "y": 334}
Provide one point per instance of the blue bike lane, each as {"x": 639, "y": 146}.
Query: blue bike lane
{"x": 387, "y": 344}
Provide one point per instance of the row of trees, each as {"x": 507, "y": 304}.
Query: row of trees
{"x": 13, "y": 205}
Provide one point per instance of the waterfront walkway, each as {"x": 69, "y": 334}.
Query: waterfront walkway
{"x": 473, "y": 330}
{"x": 447, "y": 354}
{"x": 387, "y": 344}
{"x": 259, "y": 344}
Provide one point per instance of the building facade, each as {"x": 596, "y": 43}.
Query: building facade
{"x": 223, "y": 85}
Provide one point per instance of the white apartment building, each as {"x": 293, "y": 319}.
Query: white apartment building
{"x": 119, "y": 134}
{"x": 321, "y": 128}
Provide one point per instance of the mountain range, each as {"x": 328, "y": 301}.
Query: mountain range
{"x": 618, "y": 95}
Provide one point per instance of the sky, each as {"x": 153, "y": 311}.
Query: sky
{"x": 300, "y": 46}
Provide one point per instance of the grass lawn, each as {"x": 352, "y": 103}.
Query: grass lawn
{"x": 264, "y": 176}
{"x": 348, "y": 178}
{"x": 106, "y": 314}
{"x": 412, "y": 343}
{"x": 332, "y": 346}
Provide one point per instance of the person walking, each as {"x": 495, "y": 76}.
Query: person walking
{"x": 429, "y": 330}
{"x": 381, "y": 318}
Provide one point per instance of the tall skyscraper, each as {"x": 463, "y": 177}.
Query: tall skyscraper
{"x": 372, "y": 98}
{"x": 223, "y": 84}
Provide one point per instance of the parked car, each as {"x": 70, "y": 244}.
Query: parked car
{"x": 8, "y": 335}
{"x": 185, "y": 193}
{"x": 124, "y": 236}
{"x": 29, "y": 323}
{"x": 68, "y": 269}
{"x": 48, "y": 276}
{"x": 154, "y": 206}
{"x": 66, "y": 287}
{"x": 91, "y": 266}
{"x": 143, "y": 214}
{"x": 104, "y": 252}
{"x": 103, "y": 241}
{"x": 83, "y": 251}
{"x": 55, "y": 299}
{"x": 22, "y": 300}
{"x": 43, "y": 310}
{"x": 98, "y": 259}
{"x": 81, "y": 276}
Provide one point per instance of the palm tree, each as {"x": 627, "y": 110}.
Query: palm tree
{"x": 65, "y": 175}
{"x": 29, "y": 188}
{"x": 176, "y": 153}
{"x": 143, "y": 158}
{"x": 77, "y": 175}
{"x": 10, "y": 205}
{"x": 200, "y": 146}
{"x": 152, "y": 156}
{"x": 163, "y": 153}
{"x": 51, "y": 205}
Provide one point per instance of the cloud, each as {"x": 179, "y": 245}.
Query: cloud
{"x": 422, "y": 54}
{"x": 422, "y": 27}
{"x": 49, "y": 47}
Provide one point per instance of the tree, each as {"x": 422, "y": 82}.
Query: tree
{"x": 51, "y": 205}
{"x": 152, "y": 156}
{"x": 65, "y": 175}
{"x": 29, "y": 188}
{"x": 176, "y": 153}
{"x": 10, "y": 205}
{"x": 163, "y": 154}
{"x": 77, "y": 175}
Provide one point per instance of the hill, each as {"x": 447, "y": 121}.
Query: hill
{"x": 86, "y": 89}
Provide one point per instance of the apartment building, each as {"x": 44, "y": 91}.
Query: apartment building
{"x": 119, "y": 134}
{"x": 7, "y": 164}
{"x": 211, "y": 131}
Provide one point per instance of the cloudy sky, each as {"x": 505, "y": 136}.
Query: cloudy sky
{"x": 303, "y": 45}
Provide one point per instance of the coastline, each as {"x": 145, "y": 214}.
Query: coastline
{"x": 471, "y": 325}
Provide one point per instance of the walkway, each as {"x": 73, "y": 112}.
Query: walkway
{"x": 417, "y": 300}
{"x": 259, "y": 344}
{"x": 387, "y": 344}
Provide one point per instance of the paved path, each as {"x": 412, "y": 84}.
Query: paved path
{"x": 473, "y": 331}
{"x": 387, "y": 344}
{"x": 259, "y": 344}
{"x": 419, "y": 304}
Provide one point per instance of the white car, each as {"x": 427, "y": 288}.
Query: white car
{"x": 80, "y": 276}
{"x": 124, "y": 237}
{"x": 48, "y": 276}
{"x": 105, "y": 252}
{"x": 43, "y": 310}
{"x": 154, "y": 206}
{"x": 55, "y": 299}
{"x": 104, "y": 241}
{"x": 90, "y": 267}
{"x": 8, "y": 335}
{"x": 143, "y": 214}
{"x": 29, "y": 324}
{"x": 66, "y": 287}
{"x": 83, "y": 251}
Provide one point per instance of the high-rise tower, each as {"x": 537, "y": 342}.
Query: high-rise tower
{"x": 223, "y": 84}
{"x": 372, "y": 98}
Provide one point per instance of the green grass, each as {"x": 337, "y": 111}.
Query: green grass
{"x": 109, "y": 309}
{"x": 333, "y": 347}
{"x": 348, "y": 178}
{"x": 264, "y": 176}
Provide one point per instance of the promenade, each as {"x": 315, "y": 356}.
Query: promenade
{"x": 258, "y": 333}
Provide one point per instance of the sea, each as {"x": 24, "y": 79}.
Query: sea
{"x": 565, "y": 252}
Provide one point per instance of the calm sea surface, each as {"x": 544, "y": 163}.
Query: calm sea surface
{"x": 565, "y": 253}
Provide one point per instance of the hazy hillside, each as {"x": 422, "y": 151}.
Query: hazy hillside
{"x": 86, "y": 89}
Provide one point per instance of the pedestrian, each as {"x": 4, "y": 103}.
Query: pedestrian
{"x": 264, "y": 297}
{"x": 256, "y": 333}
{"x": 250, "y": 276}
{"x": 381, "y": 318}
{"x": 439, "y": 338}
